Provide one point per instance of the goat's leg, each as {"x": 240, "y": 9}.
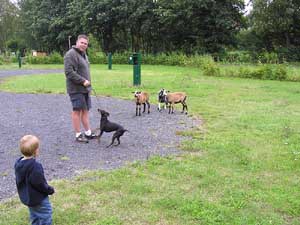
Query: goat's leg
{"x": 148, "y": 104}
{"x": 170, "y": 107}
{"x": 144, "y": 104}
{"x": 173, "y": 108}
{"x": 136, "y": 109}
{"x": 183, "y": 107}
{"x": 140, "y": 110}
{"x": 186, "y": 108}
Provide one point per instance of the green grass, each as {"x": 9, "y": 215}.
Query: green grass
{"x": 241, "y": 167}
{"x": 14, "y": 66}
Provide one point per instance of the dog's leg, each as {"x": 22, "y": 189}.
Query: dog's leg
{"x": 99, "y": 136}
{"x": 112, "y": 140}
{"x": 118, "y": 139}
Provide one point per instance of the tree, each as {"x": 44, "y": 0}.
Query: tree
{"x": 49, "y": 23}
{"x": 9, "y": 20}
{"x": 191, "y": 26}
{"x": 277, "y": 22}
{"x": 201, "y": 26}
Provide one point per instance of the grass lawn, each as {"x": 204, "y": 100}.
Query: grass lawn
{"x": 241, "y": 167}
{"x": 15, "y": 66}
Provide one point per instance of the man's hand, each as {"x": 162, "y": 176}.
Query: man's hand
{"x": 86, "y": 83}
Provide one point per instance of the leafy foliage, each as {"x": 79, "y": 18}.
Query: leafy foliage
{"x": 133, "y": 25}
{"x": 9, "y": 20}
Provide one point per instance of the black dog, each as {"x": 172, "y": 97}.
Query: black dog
{"x": 107, "y": 126}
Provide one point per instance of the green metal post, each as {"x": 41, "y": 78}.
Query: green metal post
{"x": 109, "y": 61}
{"x": 19, "y": 59}
{"x": 136, "y": 57}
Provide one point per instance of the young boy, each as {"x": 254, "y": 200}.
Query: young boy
{"x": 32, "y": 186}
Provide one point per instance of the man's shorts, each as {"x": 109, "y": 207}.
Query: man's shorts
{"x": 80, "y": 101}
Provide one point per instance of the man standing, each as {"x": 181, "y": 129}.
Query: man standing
{"x": 78, "y": 81}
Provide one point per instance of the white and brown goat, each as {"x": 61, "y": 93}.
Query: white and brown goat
{"x": 172, "y": 98}
{"x": 141, "y": 97}
{"x": 162, "y": 99}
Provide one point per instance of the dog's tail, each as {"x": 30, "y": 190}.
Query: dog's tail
{"x": 124, "y": 130}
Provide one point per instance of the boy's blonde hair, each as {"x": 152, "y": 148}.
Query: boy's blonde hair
{"x": 29, "y": 144}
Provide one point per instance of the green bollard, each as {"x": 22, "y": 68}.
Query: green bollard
{"x": 20, "y": 60}
{"x": 109, "y": 61}
{"x": 136, "y": 58}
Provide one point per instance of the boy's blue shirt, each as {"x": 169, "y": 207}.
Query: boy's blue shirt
{"x": 31, "y": 183}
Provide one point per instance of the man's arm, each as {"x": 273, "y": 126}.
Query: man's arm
{"x": 71, "y": 67}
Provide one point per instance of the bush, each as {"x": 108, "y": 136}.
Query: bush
{"x": 55, "y": 58}
{"x": 37, "y": 59}
{"x": 210, "y": 67}
{"x": 264, "y": 72}
{"x": 5, "y": 59}
{"x": 244, "y": 72}
{"x": 237, "y": 57}
{"x": 96, "y": 57}
{"x": 281, "y": 73}
{"x": 272, "y": 72}
{"x": 290, "y": 54}
{"x": 268, "y": 57}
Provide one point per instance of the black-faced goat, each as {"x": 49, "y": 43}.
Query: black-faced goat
{"x": 172, "y": 98}
{"x": 162, "y": 99}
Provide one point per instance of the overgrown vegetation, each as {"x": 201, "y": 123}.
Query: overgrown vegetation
{"x": 205, "y": 63}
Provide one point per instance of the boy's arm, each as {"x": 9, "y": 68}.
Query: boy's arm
{"x": 38, "y": 181}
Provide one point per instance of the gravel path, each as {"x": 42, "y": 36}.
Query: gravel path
{"x": 48, "y": 117}
{"x": 8, "y": 73}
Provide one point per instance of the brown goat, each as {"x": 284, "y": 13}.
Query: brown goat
{"x": 141, "y": 97}
{"x": 174, "y": 98}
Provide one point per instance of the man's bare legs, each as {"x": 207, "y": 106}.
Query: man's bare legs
{"x": 75, "y": 115}
{"x": 78, "y": 117}
{"x": 85, "y": 119}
